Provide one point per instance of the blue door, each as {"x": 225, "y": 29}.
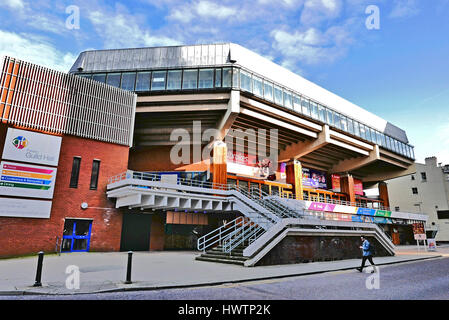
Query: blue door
{"x": 76, "y": 235}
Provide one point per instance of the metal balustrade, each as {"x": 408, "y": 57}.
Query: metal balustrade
{"x": 242, "y": 230}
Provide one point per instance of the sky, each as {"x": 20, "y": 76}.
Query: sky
{"x": 398, "y": 70}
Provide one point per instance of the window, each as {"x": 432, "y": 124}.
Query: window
{"x": 356, "y": 129}
{"x": 128, "y": 81}
{"x": 413, "y": 177}
{"x": 235, "y": 78}
{"x": 75, "y": 172}
{"x": 363, "y": 132}
{"x": 245, "y": 81}
{"x": 423, "y": 176}
{"x": 158, "y": 80}
{"x": 314, "y": 110}
{"x": 278, "y": 95}
{"x": 288, "y": 100}
{"x": 94, "y": 175}
{"x": 113, "y": 79}
{"x": 217, "y": 78}
{"x": 350, "y": 126}
{"x": 206, "y": 78}
{"x": 257, "y": 86}
{"x": 322, "y": 113}
{"x": 227, "y": 77}
{"x": 143, "y": 81}
{"x": 174, "y": 79}
{"x": 330, "y": 117}
{"x": 305, "y": 107}
{"x": 396, "y": 209}
{"x": 268, "y": 91}
{"x": 337, "y": 120}
{"x": 415, "y": 190}
{"x": 100, "y": 77}
{"x": 190, "y": 79}
{"x": 344, "y": 123}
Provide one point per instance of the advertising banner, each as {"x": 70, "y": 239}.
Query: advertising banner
{"x": 25, "y": 180}
{"x": 358, "y": 187}
{"x": 336, "y": 187}
{"x": 32, "y": 147}
{"x": 314, "y": 178}
{"x": 249, "y": 165}
{"x": 366, "y": 211}
{"x": 24, "y": 208}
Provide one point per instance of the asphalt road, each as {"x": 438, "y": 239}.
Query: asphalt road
{"x": 423, "y": 280}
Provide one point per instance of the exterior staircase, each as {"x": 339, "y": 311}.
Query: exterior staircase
{"x": 217, "y": 254}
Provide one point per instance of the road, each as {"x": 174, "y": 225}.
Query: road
{"x": 422, "y": 280}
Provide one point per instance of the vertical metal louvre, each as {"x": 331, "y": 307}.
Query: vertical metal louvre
{"x": 39, "y": 98}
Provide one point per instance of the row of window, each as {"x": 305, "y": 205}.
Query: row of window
{"x": 209, "y": 78}
{"x": 74, "y": 177}
{"x": 187, "y": 79}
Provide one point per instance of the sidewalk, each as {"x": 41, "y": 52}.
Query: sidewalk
{"x": 106, "y": 272}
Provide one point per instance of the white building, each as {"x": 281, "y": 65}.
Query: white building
{"x": 426, "y": 191}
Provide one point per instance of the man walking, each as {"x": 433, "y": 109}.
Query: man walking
{"x": 367, "y": 254}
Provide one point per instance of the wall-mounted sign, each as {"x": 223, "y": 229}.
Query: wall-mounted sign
{"x": 314, "y": 178}
{"x": 336, "y": 187}
{"x": 250, "y": 165}
{"x": 26, "y": 180}
{"x": 32, "y": 147}
{"x": 358, "y": 187}
{"x": 24, "y": 208}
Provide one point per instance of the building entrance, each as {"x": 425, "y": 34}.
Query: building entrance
{"x": 76, "y": 235}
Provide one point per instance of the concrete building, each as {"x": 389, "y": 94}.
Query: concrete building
{"x": 327, "y": 151}
{"x": 425, "y": 192}
{"x": 207, "y": 147}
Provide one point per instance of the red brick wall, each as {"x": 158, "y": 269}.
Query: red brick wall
{"x": 20, "y": 236}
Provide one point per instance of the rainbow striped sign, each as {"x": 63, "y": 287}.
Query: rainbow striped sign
{"x": 26, "y": 180}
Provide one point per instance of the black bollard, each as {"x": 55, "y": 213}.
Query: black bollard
{"x": 40, "y": 261}
{"x": 128, "y": 270}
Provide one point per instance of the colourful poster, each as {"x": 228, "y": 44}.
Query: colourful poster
{"x": 366, "y": 211}
{"x": 358, "y": 187}
{"x": 336, "y": 187}
{"x": 314, "y": 178}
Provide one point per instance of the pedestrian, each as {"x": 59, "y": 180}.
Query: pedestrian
{"x": 367, "y": 254}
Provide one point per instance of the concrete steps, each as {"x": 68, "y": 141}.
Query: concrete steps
{"x": 217, "y": 255}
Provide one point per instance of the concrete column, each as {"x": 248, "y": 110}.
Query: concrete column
{"x": 383, "y": 194}
{"x": 219, "y": 167}
{"x": 347, "y": 186}
{"x": 293, "y": 173}
{"x": 157, "y": 232}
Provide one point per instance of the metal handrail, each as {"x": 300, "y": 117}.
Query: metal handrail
{"x": 228, "y": 231}
{"x": 206, "y": 241}
{"x": 213, "y": 185}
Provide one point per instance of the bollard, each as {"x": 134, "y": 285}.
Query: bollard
{"x": 40, "y": 260}
{"x": 128, "y": 270}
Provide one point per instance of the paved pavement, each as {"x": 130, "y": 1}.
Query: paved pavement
{"x": 106, "y": 272}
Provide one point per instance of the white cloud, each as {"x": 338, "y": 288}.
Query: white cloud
{"x": 36, "y": 50}
{"x": 404, "y": 9}
{"x": 122, "y": 30}
{"x": 316, "y": 11}
{"x": 203, "y": 10}
{"x": 13, "y": 4}
{"x": 311, "y": 46}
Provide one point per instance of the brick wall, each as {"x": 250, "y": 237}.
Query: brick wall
{"x": 20, "y": 236}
